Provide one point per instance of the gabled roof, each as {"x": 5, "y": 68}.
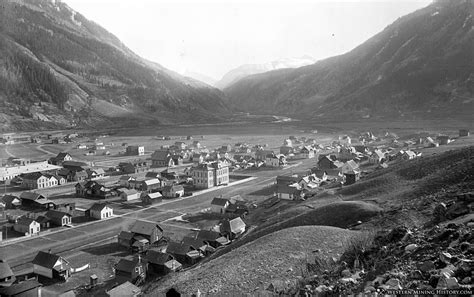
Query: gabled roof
{"x": 145, "y": 228}
{"x": 156, "y": 257}
{"x": 126, "y": 177}
{"x": 153, "y": 181}
{"x": 31, "y": 196}
{"x": 9, "y": 199}
{"x": 233, "y": 225}
{"x": 42, "y": 219}
{"x": 5, "y": 270}
{"x": 196, "y": 243}
{"x": 54, "y": 214}
{"x": 177, "y": 248}
{"x": 125, "y": 289}
{"x": 125, "y": 235}
{"x": 155, "y": 195}
{"x": 129, "y": 192}
{"x": 25, "y": 221}
{"x": 98, "y": 206}
{"x": 220, "y": 201}
{"x": 152, "y": 174}
{"x": 127, "y": 265}
{"x": 174, "y": 187}
{"x": 207, "y": 235}
{"x": 161, "y": 155}
{"x": 33, "y": 175}
{"x": 61, "y": 156}
{"x": 352, "y": 164}
{"x": 287, "y": 189}
{"x": 46, "y": 260}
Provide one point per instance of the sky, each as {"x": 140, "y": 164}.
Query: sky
{"x": 212, "y": 37}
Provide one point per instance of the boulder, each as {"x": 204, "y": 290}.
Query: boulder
{"x": 346, "y": 273}
{"x": 426, "y": 266}
{"x": 394, "y": 284}
{"x": 457, "y": 210}
{"x": 411, "y": 247}
{"x": 445, "y": 257}
{"x": 439, "y": 213}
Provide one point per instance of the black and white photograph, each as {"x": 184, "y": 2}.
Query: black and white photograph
{"x": 236, "y": 148}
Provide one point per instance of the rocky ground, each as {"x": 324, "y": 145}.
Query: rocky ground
{"x": 438, "y": 255}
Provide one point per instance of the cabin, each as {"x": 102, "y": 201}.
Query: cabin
{"x": 51, "y": 266}
{"x": 209, "y": 237}
{"x": 35, "y": 200}
{"x": 125, "y": 239}
{"x": 125, "y": 180}
{"x": 7, "y": 277}
{"x": 59, "y": 218}
{"x": 151, "y": 198}
{"x": 10, "y": 201}
{"x": 232, "y": 228}
{"x": 173, "y": 191}
{"x": 131, "y": 269}
{"x": 151, "y": 231}
{"x": 100, "y": 211}
{"x": 135, "y": 150}
{"x": 180, "y": 251}
{"x": 157, "y": 261}
{"x": 129, "y": 194}
{"x": 27, "y": 226}
{"x": 125, "y": 289}
{"x": 351, "y": 177}
{"x": 288, "y": 192}
{"x": 219, "y": 205}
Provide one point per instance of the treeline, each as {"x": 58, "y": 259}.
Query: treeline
{"x": 39, "y": 80}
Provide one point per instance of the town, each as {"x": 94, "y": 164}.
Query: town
{"x": 108, "y": 214}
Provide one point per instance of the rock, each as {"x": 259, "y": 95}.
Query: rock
{"x": 416, "y": 274}
{"x": 346, "y": 280}
{"x": 464, "y": 246}
{"x": 426, "y": 266}
{"x": 321, "y": 288}
{"x": 369, "y": 289}
{"x": 346, "y": 273}
{"x": 456, "y": 210}
{"x": 290, "y": 269}
{"x": 448, "y": 270}
{"x": 411, "y": 247}
{"x": 439, "y": 213}
{"x": 394, "y": 284}
{"x": 470, "y": 224}
{"x": 378, "y": 281}
{"x": 452, "y": 283}
{"x": 466, "y": 280}
{"x": 445, "y": 257}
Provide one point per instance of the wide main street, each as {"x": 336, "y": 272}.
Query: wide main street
{"x": 21, "y": 252}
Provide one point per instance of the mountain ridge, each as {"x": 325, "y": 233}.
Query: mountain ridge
{"x": 59, "y": 69}
{"x": 419, "y": 66}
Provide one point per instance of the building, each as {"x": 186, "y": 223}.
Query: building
{"x": 59, "y": 218}
{"x": 219, "y": 205}
{"x": 100, "y": 211}
{"x": 151, "y": 198}
{"x": 149, "y": 185}
{"x": 13, "y": 170}
{"x": 351, "y": 177}
{"x": 126, "y": 289}
{"x": 51, "y": 266}
{"x": 327, "y": 162}
{"x": 209, "y": 175}
{"x": 125, "y": 239}
{"x": 29, "y": 288}
{"x": 162, "y": 158}
{"x": 464, "y": 132}
{"x": 131, "y": 269}
{"x": 307, "y": 152}
{"x": 97, "y": 173}
{"x": 135, "y": 150}
{"x": 7, "y": 277}
{"x": 350, "y": 165}
{"x": 35, "y": 200}
{"x": 27, "y": 226}
{"x": 232, "y": 228}
{"x": 129, "y": 194}
{"x": 10, "y": 201}
{"x": 288, "y": 192}
{"x": 60, "y": 158}
{"x": 124, "y": 181}
{"x": 272, "y": 161}
{"x": 377, "y": 157}
{"x": 151, "y": 231}
{"x": 157, "y": 261}
{"x": 38, "y": 180}
{"x": 443, "y": 139}
{"x": 173, "y": 191}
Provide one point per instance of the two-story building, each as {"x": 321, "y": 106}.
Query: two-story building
{"x": 208, "y": 175}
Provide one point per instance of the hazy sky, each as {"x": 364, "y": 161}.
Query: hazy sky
{"x": 212, "y": 37}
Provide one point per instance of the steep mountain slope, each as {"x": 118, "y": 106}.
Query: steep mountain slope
{"x": 59, "y": 69}
{"x": 240, "y": 72}
{"x": 421, "y": 65}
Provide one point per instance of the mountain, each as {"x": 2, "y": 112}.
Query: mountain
{"x": 421, "y": 66}
{"x": 240, "y": 72}
{"x": 201, "y": 77}
{"x": 58, "y": 69}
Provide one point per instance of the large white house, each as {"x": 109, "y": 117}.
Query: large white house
{"x": 100, "y": 211}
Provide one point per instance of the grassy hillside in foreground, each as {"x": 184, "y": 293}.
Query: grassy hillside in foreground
{"x": 274, "y": 258}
